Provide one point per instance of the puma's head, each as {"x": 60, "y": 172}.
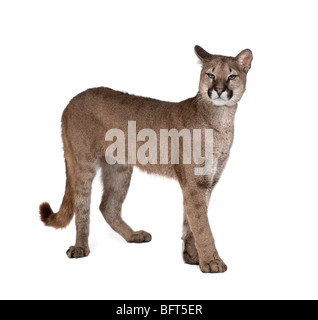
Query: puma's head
{"x": 223, "y": 79}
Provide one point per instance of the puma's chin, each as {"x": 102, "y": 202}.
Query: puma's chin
{"x": 220, "y": 102}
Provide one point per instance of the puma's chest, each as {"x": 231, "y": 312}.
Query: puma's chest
{"x": 222, "y": 142}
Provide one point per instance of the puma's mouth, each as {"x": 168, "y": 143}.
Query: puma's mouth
{"x": 220, "y": 99}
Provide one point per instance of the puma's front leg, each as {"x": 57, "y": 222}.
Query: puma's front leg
{"x": 199, "y": 235}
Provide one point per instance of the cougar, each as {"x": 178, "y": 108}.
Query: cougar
{"x": 92, "y": 113}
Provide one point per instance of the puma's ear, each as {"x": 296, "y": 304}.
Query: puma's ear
{"x": 244, "y": 59}
{"x": 202, "y": 54}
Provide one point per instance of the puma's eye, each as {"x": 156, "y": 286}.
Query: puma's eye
{"x": 211, "y": 76}
{"x": 232, "y": 77}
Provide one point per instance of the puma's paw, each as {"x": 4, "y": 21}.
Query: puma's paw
{"x": 139, "y": 237}
{"x": 77, "y": 252}
{"x": 190, "y": 254}
{"x": 190, "y": 259}
{"x": 214, "y": 266}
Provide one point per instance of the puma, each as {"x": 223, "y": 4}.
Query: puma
{"x": 92, "y": 113}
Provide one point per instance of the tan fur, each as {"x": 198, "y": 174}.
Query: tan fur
{"x": 90, "y": 114}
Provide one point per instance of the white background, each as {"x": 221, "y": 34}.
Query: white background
{"x": 263, "y": 212}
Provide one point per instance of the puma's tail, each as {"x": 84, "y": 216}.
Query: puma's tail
{"x": 65, "y": 214}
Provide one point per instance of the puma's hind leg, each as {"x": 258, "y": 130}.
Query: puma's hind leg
{"x": 116, "y": 179}
{"x": 190, "y": 252}
{"x": 84, "y": 173}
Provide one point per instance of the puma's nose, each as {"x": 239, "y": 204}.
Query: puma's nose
{"x": 219, "y": 91}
